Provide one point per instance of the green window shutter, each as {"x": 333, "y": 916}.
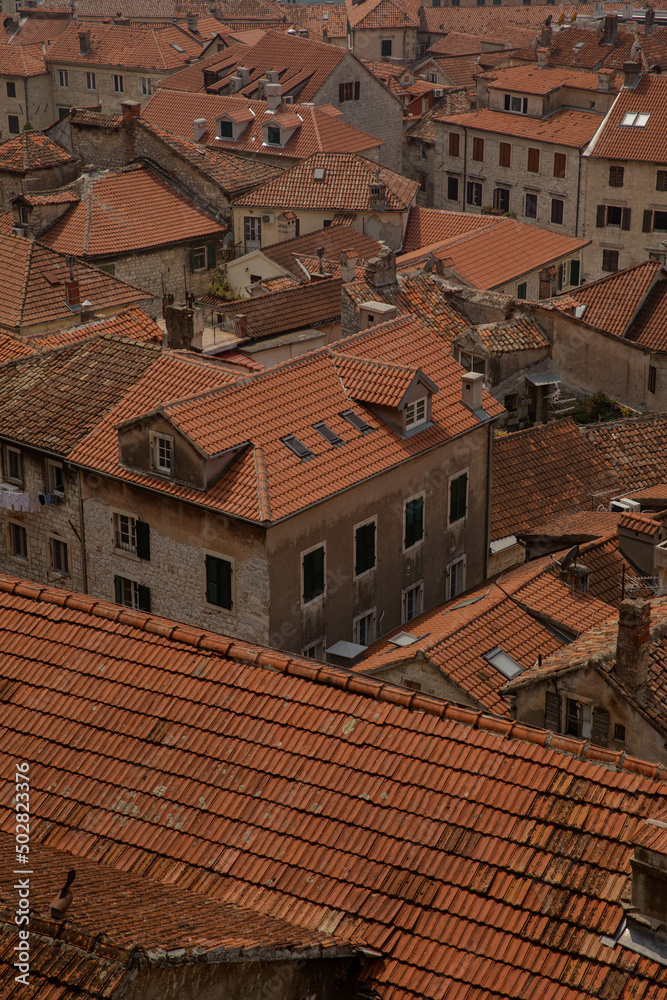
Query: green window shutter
{"x": 192, "y": 262}
{"x": 211, "y": 255}
{"x": 219, "y": 582}
{"x": 365, "y": 557}
{"x": 313, "y": 574}
{"x": 118, "y": 587}
{"x": 414, "y": 521}
{"x": 575, "y": 271}
{"x": 552, "y": 712}
{"x": 142, "y": 530}
{"x": 144, "y": 598}
{"x": 458, "y": 490}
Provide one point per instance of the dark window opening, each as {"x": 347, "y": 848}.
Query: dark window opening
{"x": 414, "y": 521}
{"x": 365, "y": 548}
{"x": 313, "y": 575}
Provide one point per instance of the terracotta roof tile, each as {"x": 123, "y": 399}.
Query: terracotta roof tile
{"x": 641, "y": 523}
{"x": 649, "y": 328}
{"x": 345, "y": 186}
{"x": 51, "y": 198}
{"x": 492, "y": 18}
{"x": 612, "y": 302}
{"x": 375, "y": 382}
{"x": 629, "y": 142}
{"x": 457, "y": 43}
{"x": 474, "y": 853}
{"x": 531, "y": 80}
{"x": 420, "y": 295}
{"x": 22, "y": 60}
{"x": 453, "y": 102}
{"x": 34, "y": 30}
{"x": 565, "y": 127}
{"x": 282, "y": 311}
{"x": 382, "y": 14}
{"x": 175, "y": 111}
{"x": 544, "y": 471}
{"x": 584, "y": 525}
{"x": 427, "y": 226}
{"x": 129, "y": 210}
{"x": 584, "y": 48}
{"x": 127, "y": 46}
{"x": 318, "y": 17}
{"x": 518, "y": 334}
{"x": 32, "y": 151}
{"x": 333, "y": 240}
{"x": 633, "y": 448}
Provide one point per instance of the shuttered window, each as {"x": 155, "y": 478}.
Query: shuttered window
{"x": 313, "y": 574}
{"x": 575, "y": 271}
{"x": 534, "y": 161}
{"x": 365, "y": 548}
{"x": 454, "y": 143}
{"x": 505, "y": 154}
{"x": 219, "y": 582}
{"x": 458, "y": 493}
{"x": 414, "y": 521}
{"x": 600, "y": 727}
{"x": 143, "y": 539}
{"x": 560, "y": 163}
{"x": 478, "y": 149}
{"x": 144, "y": 594}
{"x": 552, "y": 712}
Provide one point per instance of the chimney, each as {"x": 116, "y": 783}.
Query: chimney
{"x": 545, "y": 34}
{"x": 610, "y": 29}
{"x": 212, "y": 9}
{"x": 632, "y": 72}
{"x": 198, "y": 129}
{"x": 604, "y": 81}
{"x": 235, "y": 84}
{"x": 274, "y": 96}
{"x": 192, "y": 22}
{"x": 241, "y": 325}
{"x": 130, "y": 109}
{"x": 471, "y": 390}
{"x": 84, "y": 42}
{"x": 273, "y": 76}
{"x": 377, "y": 194}
{"x": 632, "y": 645}
{"x": 325, "y": 35}
{"x": 73, "y": 294}
{"x": 348, "y": 266}
{"x": 244, "y": 73}
{"x": 649, "y": 18}
{"x": 181, "y": 326}
{"x": 542, "y": 57}
{"x": 381, "y": 269}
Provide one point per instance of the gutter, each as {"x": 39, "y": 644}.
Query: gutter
{"x": 489, "y": 476}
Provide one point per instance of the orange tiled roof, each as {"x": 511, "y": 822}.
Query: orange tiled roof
{"x": 333, "y": 240}
{"x": 377, "y": 382}
{"x": 649, "y": 327}
{"x": 32, "y": 151}
{"x": 640, "y": 523}
{"x": 318, "y": 17}
{"x": 175, "y": 111}
{"x": 634, "y": 448}
{"x": 427, "y": 226}
{"x": 129, "y": 210}
{"x": 565, "y": 127}
{"x": 466, "y": 849}
{"x": 21, "y": 60}
{"x": 518, "y": 334}
{"x": 309, "y": 391}
{"x": 584, "y": 48}
{"x": 381, "y": 14}
{"x": 453, "y": 102}
{"x": 282, "y": 311}
{"x": 531, "y": 80}
{"x": 127, "y": 46}
{"x": 345, "y": 187}
{"x": 612, "y": 302}
{"x": 35, "y": 30}
{"x": 546, "y": 470}
{"x": 582, "y": 524}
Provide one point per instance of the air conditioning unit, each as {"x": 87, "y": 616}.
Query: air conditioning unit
{"x": 18, "y": 230}
{"x": 438, "y": 92}
{"x": 624, "y": 506}
{"x": 267, "y": 219}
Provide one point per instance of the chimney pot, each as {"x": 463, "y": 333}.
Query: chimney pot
{"x": 472, "y": 384}
{"x": 199, "y": 126}
{"x": 632, "y": 645}
{"x": 130, "y": 109}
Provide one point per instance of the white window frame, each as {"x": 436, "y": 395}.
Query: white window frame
{"x": 302, "y": 555}
{"x": 457, "y": 475}
{"x": 415, "y": 588}
{"x": 201, "y": 250}
{"x": 460, "y": 561}
{"x": 10, "y": 542}
{"x": 473, "y": 358}
{"x": 116, "y": 530}
{"x": 146, "y": 86}
{"x": 314, "y": 646}
{"x": 415, "y": 496}
{"x": 416, "y": 413}
{"x": 155, "y": 438}
{"x": 134, "y": 586}
{"x": 89, "y": 80}
{"x": 8, "y": 450}
{"x": 63, "y": 78}
{"x": 118, "y": 78}
{"x": 50, "y": 478}
{"x": 370, "y": 614}
{"x": 362, "y": 524}
{"x": 56, "y": 541}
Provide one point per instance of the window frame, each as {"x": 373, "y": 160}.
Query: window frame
{"x": 356, "y": 621}
{"x": 89, "y": 80}
{"x": 63, "y": 79}
{"x": 560, "y": 157}
{"x": 116, "y": 529}
{"x": 616, "y": 175}
{"x": 418, "y": 541}
{"x": 661, "y": 180}
{"x": 146, "y": 84}
{"x": 155, "y": 438}
{"x": 118, "y": 83}
{"x": 414, "y": 588}
{"x": 58, "y": 544}
{"x": 554, "y": 202}
{"x": 384, "y": 42}
{"x": 201, "y": 251}
{"x": 17, "y": 453}
{"x": 136, "y": 594}
{"x": 530, "y": 194}
{"x": 272, "y": 130}
{"x": 452, "y": 479}
{"x": 450, "y": 568}
{"x": 533, "y": 156}
{"x": 504, "y": 154}
{"x": 10, "y": 121}
{"x": 477, "y": 148}
{"x": 355, "y": 561}
{"x": 302, "y": 556}
{"x": 51, "y": 468}
{"x": 478, "y": 192}
{"x": 454, "y": 144}
{"x": 411, "y": 411}
{"x": 218, "y": 557}
{"x": 12, "y": 84}
{"x": 451, "y": 182}
{"x": 606, "y": 258}
{"x": 314, "y": 645}
{"x": 11, "y": 549}
{"x": 652, "y": 378}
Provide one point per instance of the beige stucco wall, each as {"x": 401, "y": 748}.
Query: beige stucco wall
{"x": 387, "y": 227}
{"x": 33, "y": 102}
{"x": 367, "y": 43}
{"x": 76, "y": 95}
{"x": 429, "y": 679}
{"x": 239, "y": 271}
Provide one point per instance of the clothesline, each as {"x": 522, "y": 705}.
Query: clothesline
{"x": 31, "y": 502}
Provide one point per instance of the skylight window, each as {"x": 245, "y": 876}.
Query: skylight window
{"x": 404, "y": 639}
{"x": 503, "y": 662}
{"x": 318, "y": 174}
{"x": 328, "y": 434}
{"x": 637, "y": 119}
{"x": 356, "y": 421}
{"x": 298, "y": 447}
{"x": 177, "y": 47}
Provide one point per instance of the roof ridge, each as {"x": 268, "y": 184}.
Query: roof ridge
{"x": 372, "y": 361}
{"x": 24, "y": 289}
{"x": 333, "y": 676}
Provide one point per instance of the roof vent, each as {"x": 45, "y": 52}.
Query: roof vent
{"x": 298, "y": 447}
{"x": 356, "y": 421}
{"x": 319, "y": 174}
{"x": 404, "y": 639}
{"x": 328, "y": 434}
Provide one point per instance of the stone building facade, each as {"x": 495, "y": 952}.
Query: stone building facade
{"x": 25, "y": 93}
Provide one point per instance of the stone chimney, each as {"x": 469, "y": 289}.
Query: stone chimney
{"x": 130, "y": 109}
{"x": 84, "y": 42}
{"x": 545, "y": 34}
{"x": 649, "y": 18}
{"x": 632, "y": 72}
{"x": 610, "y": 36}
{"x": 348, "y": 265}
{"x": 542, "y": 54}
{"x": 192, "y": 22}
{"x": 604, "y": 81}
{"x": 632, "y": 645}
{"x": 377, "y": 195}
{"x": 184, "y": 326}
{"x": 198, "y": 129}
{"x": 381, "y": 269}
{"x": 274, "y": 96}
{"x": 472, "y": 384}
{"x": 244, "y": 73}
{"x": 325, "y": 35}
{"x": 241, "y": 325}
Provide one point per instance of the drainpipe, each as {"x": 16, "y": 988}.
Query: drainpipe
{"x": 465, "y": 164}
{"x": 489, "y": 476}
{"x": 576, "y": 223}
{"x": 84, "y": 561}
{"x": 25, "y": 91}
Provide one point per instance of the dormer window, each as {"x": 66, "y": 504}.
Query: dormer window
{"x": 517, "y": 105}
{"x": 273, "y": 136}
{"x": 162, "y": 454}
{"x": 416, "y": 413}
{"x": 225, "y": 129}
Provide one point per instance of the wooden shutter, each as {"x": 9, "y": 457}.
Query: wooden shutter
{"x": 625, "y": 218}
{"x": 142, "y": 531}
{"x": 575, "y": 271}
{"x": 118, "y": 587}
{"x": 600, "y": 727}
{"x": 357, "y": 89}
{"x": 602, "y": 211}
{"x": 552, "y": 712}
{"x": 219, "y": 582}
{"x": 210, "y": 251}
{"x": 341, "y": 93}
{"x": 647, "y": 222}
{"x": 144, "y": 598}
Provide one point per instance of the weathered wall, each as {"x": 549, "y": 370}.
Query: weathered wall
{"x": 76, "y": 95}
{"x": 12, "y": 184}
{"x": 387, "y": 227}
{"x": 420, "y": 672}
{"x": 367, "y": 43}
{"x": 240, "y": 271}
{"x": 32, "y": 103}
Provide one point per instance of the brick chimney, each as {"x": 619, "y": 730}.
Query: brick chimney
{"x": 610, "y": 29}
{"x": 632, "y": 645}
{"x": 130, "y": 109}
{"x": 73, "y": 293}
{"x": 542, "y": 57}
{"x": 604, "y": 81}
{"x": 545, "y": 34}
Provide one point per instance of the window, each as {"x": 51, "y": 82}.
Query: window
{"x": 456, "y": 578}
{"x": 90, "y": 81}
{"x": 314, "y": 651}
{"x": 11, "y": 88}
{"x": 505, "y": 154}
{"x": 458, "y": 495}
{"x": 219, "y": 582}
{"x": 478, "y": 150}
{"x": 414, "y": 521}
{"x": 117, "y": 83}
{"x": 661, "y": 180}
{"x": 474, "y": 193}
{"x": 660, "y": 220}
{"x": 273, "y": 135}
{"x": 575, "y": 272}
{"x": 334, "y": 440}
{"x": 616, "y": 177}
{"x": 557, "y": 206}
{"x": 358, "y": 422}
{"x": 63, "y": 78}
{"x": 162, "y": 449}
{"x": 423, "y": 180}
{"x": 652, "y": 373}
{"x": 124, "y": 532}
{"x": 349, "y": 91}
{"x": 518, "y": 105}
{"x": 501, "y": 199}
{"x": 614, "y": 215}
{"x": 530, "y": 207}
{"x": 252, "y": 233}
{"x": 416, "y": 413}
{"x": 54, "y": 478}
{"x": 452, "y": 189}
{"x": 560, "y": 164}
{"x": 364, "y": 548}
{"x": 198, "y": 259}
{"x": 635, "y": 119}
{"x": 455, "y": 144}
{"x": 18, "y": 541}
{"x": 146, "y": 86}
{"x": 301, "y": 450}
{"x": 619, "y": 732}
{"x": 610, "y": 260}
{"x": 502, "y": 661}
{"x": 13, "y": 465}
{"x": 312, "y": 564}
{"x": 62, "y": 112}
{"x": 59, "y": 556}
{"x": 522, "y": 290}
{"x": 364, "y": 629}
{"x": 13, "y": 124}
{"x": 131, "y": 594}
{"x": 225, "y": 130}
{"x": 579, "y": 719}
{"x": 413, "y": 599}
{"x": 533, "y": 160}
{"x": 472, "y": 362}
{"x": 386, "y": 47}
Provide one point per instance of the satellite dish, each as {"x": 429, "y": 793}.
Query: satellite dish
{"x": 573, "y": 16}
{"x": 561, "y": 20}
{"x": 569, "y": 557}
{"x": 229, "y": 238}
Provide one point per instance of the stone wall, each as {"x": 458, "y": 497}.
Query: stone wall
{"x": 387, "y": 227}
{"x": 77, "y": 95}
{"x": 420, "y": 675}
{"x": 12, "y": 184}
{"x": 33, "y": 103}
{"x": 367, "y": 43}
